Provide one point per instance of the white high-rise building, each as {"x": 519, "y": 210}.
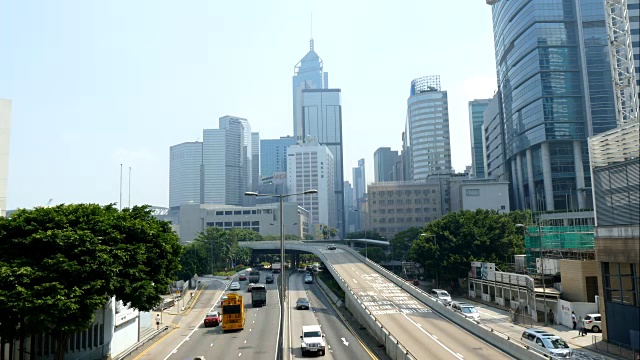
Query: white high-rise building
{"x": 428, "y": 128}
{"x": 185, "y": 174}
{"x": 311, "y": 166}
{"x": 247, "y": 144}
{"x": 255, "y": 160}
{"x": 5, "y": 128}
{"x": 224, "y": 163}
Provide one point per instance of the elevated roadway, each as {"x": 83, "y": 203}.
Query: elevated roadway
{"x": 422, "y": 332}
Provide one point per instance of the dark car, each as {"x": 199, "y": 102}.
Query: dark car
{"x": 269, "y": 279}
{"x": 242, "y": 277}
{"x": 302, "y": 303}
{"x": 212, "y": 319}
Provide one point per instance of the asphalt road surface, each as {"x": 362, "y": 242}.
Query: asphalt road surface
{"x": 424, "y": 333}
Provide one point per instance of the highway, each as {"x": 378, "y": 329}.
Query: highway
{"x": 425, "y": 334}
{"x": 341, "y": 344}
{"x": 257, "y": 341}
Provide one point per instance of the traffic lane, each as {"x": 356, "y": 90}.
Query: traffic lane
{"x": 344, "y": 345}
{"x": 253, "y": 342}
{"x": 386, "y": 301}
{"x": 167, "y": 342}
{"x": 299, "y": 318}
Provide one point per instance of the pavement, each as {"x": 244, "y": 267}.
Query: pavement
{"x": 498, "y": 318}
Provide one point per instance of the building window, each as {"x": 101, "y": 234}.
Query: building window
{"x": 620, "y": 283}
{"x": 219, "y": 213}
{"x": 473, "y": 192}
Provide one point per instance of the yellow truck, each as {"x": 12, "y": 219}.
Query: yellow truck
{"x": 233, "y": 314}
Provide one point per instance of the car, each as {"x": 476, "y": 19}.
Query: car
{"x": 467, "y": 310}
{"x": 308, "y": 279}
{"x": 309, "y": 268}
{"x": 242, "y": 277}
{"x": 302, "y": 303}
{"x": 234, "y": 286}
{"x": 212, "y": 319}
{"x": 592, "y": 322}
{"x": 301, "y": 269}
{"x": 441, "y": 295}
{"x": 547, "y": 343}
{"x": 331, "y": 247}
{"x": 250, "y": 287}
{"x": 312, "y": 340}
{"x": 224, "y": 298}
{"x": 269, "y": 279}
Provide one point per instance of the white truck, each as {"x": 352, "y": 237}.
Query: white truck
{"x": 312, "y": 340}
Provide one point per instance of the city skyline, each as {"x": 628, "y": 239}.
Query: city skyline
{"x": 85, "y": 102}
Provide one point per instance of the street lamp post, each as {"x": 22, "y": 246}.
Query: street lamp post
{"x": 282, "y": 263}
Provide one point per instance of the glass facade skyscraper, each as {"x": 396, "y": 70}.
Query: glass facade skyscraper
{"x": 476, "y": 119}
{"x": 427, "y": 127}
{"x": 308, "y": 74}
{"x": 554, "y": 76}
{"x": 185, "y": 174}
{"x": 273, "y": 154}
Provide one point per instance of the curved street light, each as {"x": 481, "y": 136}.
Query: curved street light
{"x": 282, "y": 262}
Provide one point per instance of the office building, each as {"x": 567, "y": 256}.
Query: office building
{"x": 185, "y": 174}
{"x": 384, "y": 162}
{"x": 493, "y": 140}
{"x": 5, "y": 130}
{"x": 473, "y": 194}
{"x": 322, "y": 123}
{"x": 273, "y": 155}
{"x": 247, "y": 152}
{"x": 263, "y": 219}
{"x": 634, "y": 25}
{"x": 255, "y": 160}
{"x": 307, "y": 74}
{"x": 224, "y": 159}
{"x": 310, "y": 166}
{"x": 427, "y": 128}
{"x": 476, "y": 119}
{"x": 554, "y": 78}
{"x": 350, "y": 209}
{"x": 359, "y": 182}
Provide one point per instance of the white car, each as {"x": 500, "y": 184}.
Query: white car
{"x": 592, "y": 322}
{"x": 234, "y": 286}
{"x": 442, "y": 296}
{"x": 467, "y": 310}
{"x": 547, "y": 343}
{"x": 308, "y": 279}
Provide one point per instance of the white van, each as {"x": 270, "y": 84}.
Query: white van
{"x": 547, "y": 343}
{"x": 442, "y": 296}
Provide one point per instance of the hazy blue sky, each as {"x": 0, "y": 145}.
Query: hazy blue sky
{"x": 98, "y": 83}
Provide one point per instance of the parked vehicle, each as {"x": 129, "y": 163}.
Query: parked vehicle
{"x": 302, "y": 303}
{"x": 258, "y": 296}
{"x": 592, "y": 322}
{"x": 212, "y": 319}
{"x": 234, "y": 286}
{"x": 467, "y": 310}
{"x": 547, "y": 343}
{"x": 312, "y": 340}
{"x": 442, "y": 296}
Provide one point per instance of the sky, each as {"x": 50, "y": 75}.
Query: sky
{"x": 96, "y": 84}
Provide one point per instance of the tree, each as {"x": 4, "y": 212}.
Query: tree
{"x": 328, "y": 232}
{"x": 374, "y": 253}
{"x": 69, "y": 260}
{"x": 365, "y": 234}
{"x": 452, "y": 242}
{"x": 402, "y": 241}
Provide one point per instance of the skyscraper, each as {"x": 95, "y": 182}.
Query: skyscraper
{"x": 384, "y": 162}
{"x": 307, "y": 74}
{"x": 5, "y": 129}
{"x": 273, "y": 155}
{"x": 247, "y": 152}
{"x": 255, "y": 160}
{"x": 321, "y": 121}
{"x": 185, "y": 174}
{"x": 634, "y": 25}
{"x": 310, "y": 166}
{"x": 224, "y": 157}
{"x": 476, "y": 119}
{"x": 359, "y": 182}
{"x": 493, "y": 140}
{"x": 554, "y": 77}
{"x": 428, "y": 128}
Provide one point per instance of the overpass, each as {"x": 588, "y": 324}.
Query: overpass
{"x": 409, "y": 322}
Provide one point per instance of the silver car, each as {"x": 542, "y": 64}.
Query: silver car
{"x": 234, "y": 286}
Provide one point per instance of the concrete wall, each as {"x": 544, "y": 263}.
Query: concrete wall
{"x": 574, "y": 286}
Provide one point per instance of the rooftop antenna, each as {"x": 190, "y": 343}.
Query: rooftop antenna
{"x": 311, "y": 41}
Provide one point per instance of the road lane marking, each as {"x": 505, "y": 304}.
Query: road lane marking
{"x": 211, "y": 345}
{"x": 433, "y": 337}
{"x": 344, "y": 341}
{"x": 460, "y": 355}
{"x": 239, "y": 354}
{"x": 355, "y": 281}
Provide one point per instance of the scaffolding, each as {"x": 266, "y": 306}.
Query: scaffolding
{"x": 559, "y": 242}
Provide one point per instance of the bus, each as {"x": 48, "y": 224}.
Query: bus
{"x": 233, "y": 313}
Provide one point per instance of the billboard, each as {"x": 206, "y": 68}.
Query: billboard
{"x": 483, "y": 270}
{"x": 279, "y": 177}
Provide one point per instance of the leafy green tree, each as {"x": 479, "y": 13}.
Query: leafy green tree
{"x": 58, "y": 265}
{"x": 328, "y": 232}
{"x": 452, "y": 242}
{"x": 401, "y": 243}
{"x": 246, "y": 235}
{"x": 374, "y": 253}
{"x": 365, "y": 234}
